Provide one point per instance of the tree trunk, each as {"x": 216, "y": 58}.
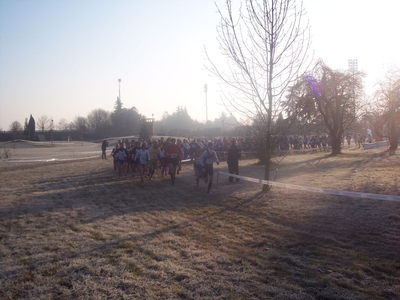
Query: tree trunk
{"x": 394, "y": 144}
{"x": 393, "y": 137}
{"x": 267, "y": 165}
{"x": 336, "y": 145}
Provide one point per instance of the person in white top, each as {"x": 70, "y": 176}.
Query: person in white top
{"x": 120, "y": 156}
{"x": 142, "y": 155}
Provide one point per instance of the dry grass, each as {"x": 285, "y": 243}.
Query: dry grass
{"x": 72, "y": 230}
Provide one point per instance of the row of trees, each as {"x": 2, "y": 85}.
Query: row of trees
{"x": 127, "y": 122}
{"x": 324, "y": 101}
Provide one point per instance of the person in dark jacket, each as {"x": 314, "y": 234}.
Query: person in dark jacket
{"x": 233, "y": 160}
{"x": 103, "y": 149}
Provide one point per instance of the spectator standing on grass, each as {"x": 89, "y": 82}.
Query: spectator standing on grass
{"x": 104, "y": 149}
{"x": 305, "y": 142}
{"x": 361, "y": 140}
{"x": 207, "y": 158}
{"x": 355, "y": 138}
{"x": 348, "y": 139}
{"x": 233, "y": 160}
{"x": 323, "y": 142}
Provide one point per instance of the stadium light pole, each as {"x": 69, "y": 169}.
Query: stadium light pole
{"x": 51, "y": 132}
{"x": 152, "y": 124}
{"x": 353, "y": 67}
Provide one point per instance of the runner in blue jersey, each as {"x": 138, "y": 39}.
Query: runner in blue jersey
{"x": 207, "y": 158}
{"x": 120, "y": 156}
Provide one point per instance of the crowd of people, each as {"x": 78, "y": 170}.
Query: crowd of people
{"x": 314, "y": 142}
{"x": 359, "y": 140}
{"x": 288, "y": 143}
{"x": 145, "y": 158}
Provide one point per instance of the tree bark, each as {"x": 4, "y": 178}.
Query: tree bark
{"x": 394, "y": 137}
{"x": 267, "y": 187}
{"x": 336, "y": 145}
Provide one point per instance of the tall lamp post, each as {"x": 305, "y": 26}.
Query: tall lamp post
{"x": 205, "y": 91}
{"x": 119, "y": 88}
{"x": 51, "y": 133}
{"x": 152, "y": 124}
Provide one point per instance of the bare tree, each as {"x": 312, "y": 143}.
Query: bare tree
{"x": 43, "y": 123}
{"x": 15, "y": 127}
{"x": 388, "y": 108}
{"x": 266, "y": 47}
{"x": 79, "y": 124}
{"x": 63, "y": 124}
{"x": 99, "y": 121}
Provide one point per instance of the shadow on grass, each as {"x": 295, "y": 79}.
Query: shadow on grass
{"x": 271, "y": 245}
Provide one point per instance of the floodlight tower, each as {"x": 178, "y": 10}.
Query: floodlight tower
{"x": 353, "y": 67}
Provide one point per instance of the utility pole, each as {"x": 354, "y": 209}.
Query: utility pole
{"x": 205, "y": 91}
{"x": 51, "y": 133}
{"x": 119, "y": 88}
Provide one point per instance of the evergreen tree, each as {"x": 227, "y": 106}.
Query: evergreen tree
{"x": 118, "y": 105}
{"x": 117, "y": 119}
{"x": 32, "y": 127}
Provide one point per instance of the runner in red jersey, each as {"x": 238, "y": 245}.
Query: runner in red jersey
{"x": 173, "y": 154}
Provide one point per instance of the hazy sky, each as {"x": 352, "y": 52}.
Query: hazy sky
{"x": 63, "y": 58}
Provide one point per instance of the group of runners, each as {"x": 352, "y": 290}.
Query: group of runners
{"x": 143, "y": 159}
{"x": 359, "y": 140}
{"x": 323, "y": 142}
{"x": 287, "y": 143}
